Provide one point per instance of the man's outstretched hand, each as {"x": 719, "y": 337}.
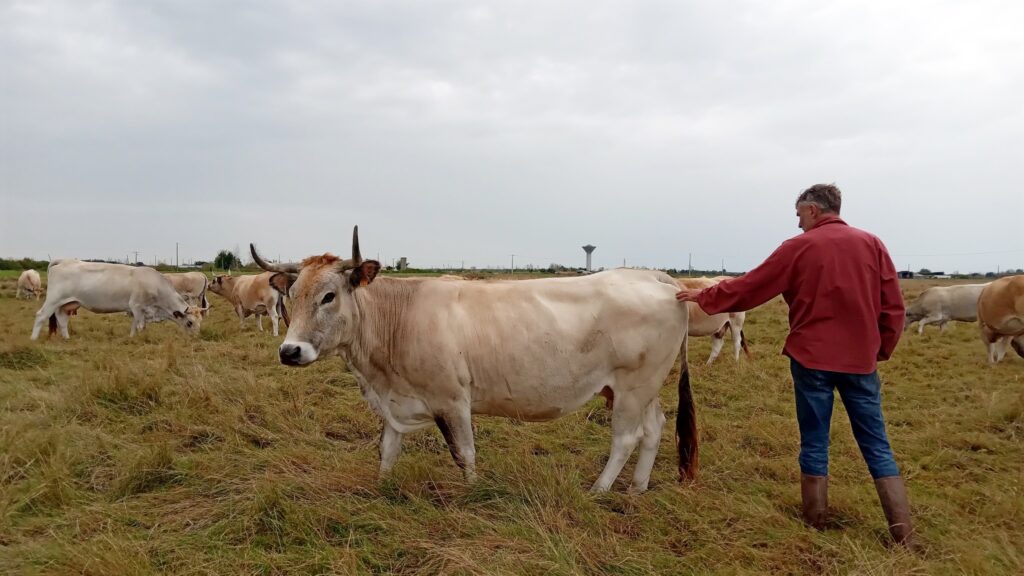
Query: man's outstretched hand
{"x": 688, "y": 294}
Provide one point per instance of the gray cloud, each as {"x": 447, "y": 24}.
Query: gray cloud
{"x": 460, "y": 131}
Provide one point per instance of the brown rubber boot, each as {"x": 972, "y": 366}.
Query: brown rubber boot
{"x": 814, "y": 493}
{"x": 893, "y": 496}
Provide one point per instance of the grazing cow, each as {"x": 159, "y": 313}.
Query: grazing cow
{"x": 105, "y": 288}
{"x": 192, "y": 286}
{"x": 940, "y": 304}
{"x": 254, "y": 294}
{"x": 29, "y": 284}
{"x": 1001, "y": 317}
{"x": 435, "y": 351}
{"x": 715, "y": 325}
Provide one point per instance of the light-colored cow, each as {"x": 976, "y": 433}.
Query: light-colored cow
{"x": 252, "y": 295}
{"x": 940, "y": 304}
{"x": 192, "y": 286}
{"x": 1001, "y": 317}
{"x": 106, "y": 288}
{"x": 435, "y": 351}
{"x": 29, "y": 284}
{"x": 716, "y": 325}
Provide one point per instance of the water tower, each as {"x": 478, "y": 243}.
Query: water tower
{"x": 589, "y": 250}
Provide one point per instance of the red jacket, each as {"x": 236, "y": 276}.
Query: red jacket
{"x": 845, "y": 307}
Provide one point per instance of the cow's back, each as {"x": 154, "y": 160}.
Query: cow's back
{"x": 30, "y": 279}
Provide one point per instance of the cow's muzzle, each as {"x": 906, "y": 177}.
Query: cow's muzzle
{"x": 296, "y": 353}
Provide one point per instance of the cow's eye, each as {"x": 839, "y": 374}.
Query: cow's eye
{"x": 328, "y": 298}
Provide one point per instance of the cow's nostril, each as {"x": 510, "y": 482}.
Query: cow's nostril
{"x": 290, "y": 354}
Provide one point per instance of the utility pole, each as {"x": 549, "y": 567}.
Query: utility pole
{"x": 689, "y": 265}
{"x": 175, "y": 256}
{"x": 513, "y": 271}
{"x": 136, "y": 258}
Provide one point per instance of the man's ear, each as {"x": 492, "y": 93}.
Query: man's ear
{"x": 365, "y": 273}
{"x": 282, "y": 282}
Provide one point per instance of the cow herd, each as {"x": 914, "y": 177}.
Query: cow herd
{"x": 435, "y": 351}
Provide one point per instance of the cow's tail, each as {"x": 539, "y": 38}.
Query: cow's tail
{"x": 743, "y": 343}
{"x": 282, "y": 310}
{"x": 53, "y": 324}
{"x": 686, "y": 419}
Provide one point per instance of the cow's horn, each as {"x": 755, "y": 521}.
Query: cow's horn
{"x": 357, "y": 259}
{"x": 289, "y": 267}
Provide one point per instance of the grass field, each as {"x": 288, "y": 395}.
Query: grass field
{"x": 163, "y": 454}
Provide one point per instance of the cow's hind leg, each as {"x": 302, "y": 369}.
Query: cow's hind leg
{"x": 42, "y": 316}
{"x": 62, "y": 323}
{"x": 653, "y": 421}
{"x": 390, "y": 447}
{"x": 627, "y": 429}
{"x": 457, "y": 428}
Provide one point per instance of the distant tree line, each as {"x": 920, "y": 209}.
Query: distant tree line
{"x": 22, "y": 264}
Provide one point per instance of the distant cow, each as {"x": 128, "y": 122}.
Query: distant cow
{"x": 192, "y": 286}
{"x": 1001, "y": 317}
{"x": 105, "y": 288}
{"x": 251, "y": 295}
{"x": 430, "y": 351}
{"x": 940, "y": 304}
{"x": 29, "y": 284}
{"x": 701, "y": 324}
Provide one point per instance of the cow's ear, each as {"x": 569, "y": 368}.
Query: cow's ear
{"x": 364, "y": 274}
{"x": 282, "y": 282}
{"x": 178, "y": 314}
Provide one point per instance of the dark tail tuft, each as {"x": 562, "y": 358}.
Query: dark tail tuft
{"x": 686, "y": 427}
{"x": 743, "y": 343}
{"x": 1018, "y": 347}
{"x": 53, "y": 324}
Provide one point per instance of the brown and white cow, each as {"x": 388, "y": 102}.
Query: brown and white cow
{"x": 252, "y": 295}
{"x": 192, "y": 286}
{"x": 1001, "y": 317}
{"x": 716, "y": 325}
{"x": 429, "y": 351}
{"x": 29, "y": 284}
{"x": 940, "y": 304}
{"x": 105, "y": 288}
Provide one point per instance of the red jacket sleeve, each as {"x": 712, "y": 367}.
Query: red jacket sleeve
{"x": 891, "y": 315}
{"x": 752, "y": 289}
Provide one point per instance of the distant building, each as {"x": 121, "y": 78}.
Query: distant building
{"x": 403, "y": 263}
{"x": 906, "y": 274}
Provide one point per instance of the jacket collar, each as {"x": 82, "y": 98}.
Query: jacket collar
{"x": 826, "y": 220}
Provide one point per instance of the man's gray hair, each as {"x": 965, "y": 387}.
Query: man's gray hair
{"x": 825, "y": 196}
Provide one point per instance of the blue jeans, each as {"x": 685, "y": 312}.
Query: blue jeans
{"x": 861, "y": 394}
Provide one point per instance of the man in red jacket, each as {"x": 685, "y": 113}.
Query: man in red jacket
{"x": 845, "y": 314}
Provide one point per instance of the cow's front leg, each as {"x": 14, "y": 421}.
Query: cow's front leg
{"x": 138, "y": 321}
{"x": 457, "y": 428}
{"x": 390, "y": 447}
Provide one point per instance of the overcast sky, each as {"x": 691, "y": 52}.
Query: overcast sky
{"x": 466, "y": 131}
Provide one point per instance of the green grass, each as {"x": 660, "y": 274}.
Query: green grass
{"x": 168, "y": 455}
